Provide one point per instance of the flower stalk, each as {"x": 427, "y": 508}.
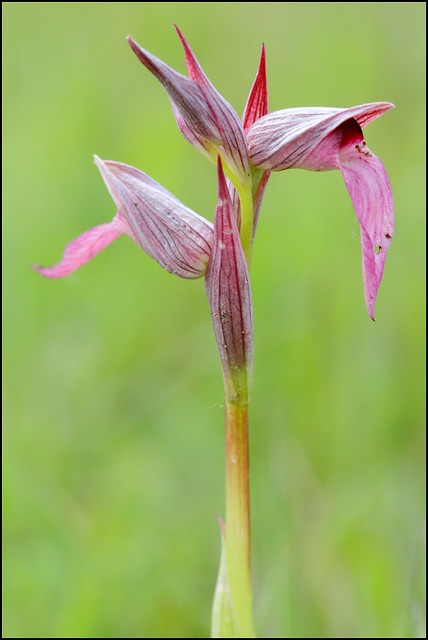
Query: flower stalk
{"x": 237, "y": 531}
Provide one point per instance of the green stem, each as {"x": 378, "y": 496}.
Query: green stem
{"x": 237, "y": 531}
{"x": 247, "y": 220}
{"x": 245, "y": 193}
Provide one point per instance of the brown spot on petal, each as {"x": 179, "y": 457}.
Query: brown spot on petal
{"x": 388, "y": 236}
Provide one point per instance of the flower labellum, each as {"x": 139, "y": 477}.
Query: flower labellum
{"x": 320, "y": 139}
{"x": 85, "y": 247}
{"x": 176, "y": 237}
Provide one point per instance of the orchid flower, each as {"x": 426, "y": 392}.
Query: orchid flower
{"x": 176, "y": 237}
{"x": 213, "y": 127}
{"x": 203, "y": 116}
{"x": 320, "y": 139}
{"x": 191, "y": 247}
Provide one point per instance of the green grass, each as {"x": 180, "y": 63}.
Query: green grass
{"x": 113, "y": 463}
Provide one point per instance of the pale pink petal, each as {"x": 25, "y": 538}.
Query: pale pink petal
{"x": 229, "y": 296}
{"x": 370, "y": 191}
{"x": 172, "y": 234}
{"x": 287, "y": 138}
{"x": 85, "y": 247}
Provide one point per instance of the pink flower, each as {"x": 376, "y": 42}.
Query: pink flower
{"x": 317, "y": 139}
{"x": 320, "y": 139}
{"x": 203, "y": 116}
{"x": 177, "y": 238}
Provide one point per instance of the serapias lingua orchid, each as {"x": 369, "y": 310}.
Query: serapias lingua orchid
{"x": 320, "y": 139}
{"x": 203, "y": 116}
{"x": 190, "y": 246}
{"x": 176, "y": 237}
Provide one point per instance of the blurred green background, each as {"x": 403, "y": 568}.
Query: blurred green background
{"x": 113, "y": 435}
